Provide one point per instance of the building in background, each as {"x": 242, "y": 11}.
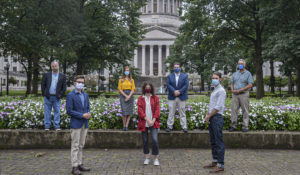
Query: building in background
{"x": 16, "y": 72}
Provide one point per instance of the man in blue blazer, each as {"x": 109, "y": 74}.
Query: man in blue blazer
{"x": 177, "y": 84}
{"x": 78, "y": 108}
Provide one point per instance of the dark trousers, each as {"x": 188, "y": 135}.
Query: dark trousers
{"x": 154, "y": 135}
{"x": 216, "y": 139}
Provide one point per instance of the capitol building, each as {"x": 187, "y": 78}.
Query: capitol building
{"x": 161, "y": 21}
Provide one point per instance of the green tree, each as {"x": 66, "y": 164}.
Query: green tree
{"x": 284, "y": 41}
{"x": 28, "y": 29}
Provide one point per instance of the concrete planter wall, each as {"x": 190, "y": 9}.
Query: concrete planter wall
{"x": 23, "y": 139}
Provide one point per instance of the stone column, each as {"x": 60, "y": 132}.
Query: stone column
{"x": 136, "y": 58}
{"x": 147, "y": 7}
{"x": 152, "y": 6}
{"x": 143, "y": 60}
{"x": 151, "y": 60}
{"x": 159, "y": 60}
{"x": 173, "y": 3}
{"x": 167, "y": 54}
{"x": 168, "y": 7}
{"x": 158, "y": 6}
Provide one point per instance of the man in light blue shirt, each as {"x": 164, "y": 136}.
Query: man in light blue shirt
{"x": 214, "y": 119}
{"x": 81, "y": 96}
{"x": 241, "y": 82}
{"x": 54, "y": 81}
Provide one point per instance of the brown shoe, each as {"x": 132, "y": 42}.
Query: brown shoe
{"x": 216, "y": 170}
{"x": 76, "y": 171}
{"x": 211, "y": 165}
{"x": 82, "y": 168}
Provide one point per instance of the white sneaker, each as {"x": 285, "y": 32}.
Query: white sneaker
{"x": 58, "y": 129}
{"x": 156, "y": 162}
{"x": 47, "y": 129}
{"x": 147, "y": 161}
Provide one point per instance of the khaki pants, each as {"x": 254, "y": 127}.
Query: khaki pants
{"x": 78, "y": 140}
{"x": 173, "y": 104}
{"x": 241, "y": 100}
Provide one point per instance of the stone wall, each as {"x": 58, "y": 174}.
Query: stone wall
{"x": 29, "y": 139}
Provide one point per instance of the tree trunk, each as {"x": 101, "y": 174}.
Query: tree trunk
{"x": 202, "y": 83}
{"x": 80, "y": 64}
{"x": 259, "y": 62}
{"x": 64, "y": 67}
{"x": 298, "y": 83}
{"x": 36, "y": 73}
{"x": 99, "y": 82}
{"x": 29, "y": 77}
{"x": 272, "y": 78}
{"x": 290, "y": 83}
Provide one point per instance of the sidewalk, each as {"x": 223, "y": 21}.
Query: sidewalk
{"x": 130, "y": 162}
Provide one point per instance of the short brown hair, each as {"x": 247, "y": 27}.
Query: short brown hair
{"x": 176, "y": 63}
{"x": 78, "y": 77}
{"x": 218, "y": 74}
{"x": 144, "y": 87}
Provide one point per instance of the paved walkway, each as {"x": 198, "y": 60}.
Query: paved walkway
{"x": 130, "y": 161}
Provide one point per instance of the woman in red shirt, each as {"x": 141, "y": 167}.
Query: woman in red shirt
{"x": 149, "y": 112}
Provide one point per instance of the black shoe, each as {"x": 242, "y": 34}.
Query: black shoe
{"x": 126, "y": 128}
{"x": 75, "y": 171}
{"x": 185, "y": 130}
{"x": 245, "y": 130}
{"x": 168, "y": 129}
{"x": 82, "y": 168}
{"x": 231, "y": 129}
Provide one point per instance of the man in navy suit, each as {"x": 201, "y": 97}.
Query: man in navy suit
{"x": 78, "y": 107}
{"x": 177, "y": 84}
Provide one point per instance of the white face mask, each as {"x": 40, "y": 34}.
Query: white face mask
{"x": 79, "y": 86}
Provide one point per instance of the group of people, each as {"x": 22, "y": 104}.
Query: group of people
{"x": 78, "y": 108}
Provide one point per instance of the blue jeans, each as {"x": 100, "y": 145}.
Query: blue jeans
{"x": 154, "y": 135}
{"x": 216, "y": 139}
{"x": 50, "y": 103}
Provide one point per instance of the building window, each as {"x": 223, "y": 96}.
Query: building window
{"x": 15, "y": 60}
{"x": 5, "y": 60}
{"x": 145, "y": 9}
{"x": 15, "y": 69}
{"x": 18, "y": 81}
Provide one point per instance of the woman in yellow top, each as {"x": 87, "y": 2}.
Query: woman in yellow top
{"x": 127, "y": 88}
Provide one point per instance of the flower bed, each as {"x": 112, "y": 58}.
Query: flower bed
{"x": 266, "y": 114}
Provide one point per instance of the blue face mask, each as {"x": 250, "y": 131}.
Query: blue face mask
{"x": 176, "y": 70}
{"x": 241, "y": 66}
{"x": 215, "y": 82}
{"x": 126, "y": 72}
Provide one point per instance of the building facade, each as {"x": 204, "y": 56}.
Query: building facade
{"x": 16, "y": 71}
{"x": 161, "y": 21}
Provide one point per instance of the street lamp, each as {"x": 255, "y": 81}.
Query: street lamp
{"x": 7, "y": 73}
{"x": 1, "y": 87}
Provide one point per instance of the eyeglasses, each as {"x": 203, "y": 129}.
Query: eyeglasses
{"x": 80, "y": 82}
